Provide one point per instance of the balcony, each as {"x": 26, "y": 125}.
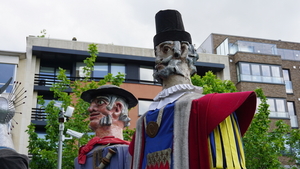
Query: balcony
{"x": 226, "y": 48}
{"x": 38, "y": 116}
{"x": 287, "y": 54}
{"x": 44, "y": 82}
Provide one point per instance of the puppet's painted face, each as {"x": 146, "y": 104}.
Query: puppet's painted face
{"x": 172, "y": 58}
{"x": 104, "y": 114}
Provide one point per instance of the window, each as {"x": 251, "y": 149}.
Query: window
{"x": 143, "y": 106}
{"x": 259, "y": 73}
{"x": 6, "y": 72}
{"x": 100, "y": 70}
{"x": 293, "y": 116}
{"x": 287, "y": 81}
{"x": 79, "y": 69}
{"x": 146, "y": 73}
{"x": 116, "y": 68}
{"x": 41, "y": 134}
{"x": 48, "y": 75}
{"x": 278, "y": 108}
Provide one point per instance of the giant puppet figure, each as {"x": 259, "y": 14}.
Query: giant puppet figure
{"x": 9, "y": 157}
{"x": 108, "y": 110}
{"x": 184, "y": 129}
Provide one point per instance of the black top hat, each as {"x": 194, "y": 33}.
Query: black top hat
{"x": 169, "y": 26}
{"x": 110, "y": 89}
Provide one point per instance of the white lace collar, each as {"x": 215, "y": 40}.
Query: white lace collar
{"x": 171, "y": 94}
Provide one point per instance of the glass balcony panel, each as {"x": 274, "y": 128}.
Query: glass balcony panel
{"x": 267, "y": 79}
{"x": 280, "y": 52}
{"x": 272, "y": 114}
{"x": 279, "y": 114}
{"x": 297, "y": 55}
{"x": 294, "y": 122}
{"x": 245, "y": 77}
{"x": 282, "y": 114}
{"x": 257, "y": 78}
{"x": 233, "y": 48}
{"x": 289, "y": 54}
{"x": 255, "y": 47}
{"x": 278, "y": 80}
{"x": 288, "y": 86}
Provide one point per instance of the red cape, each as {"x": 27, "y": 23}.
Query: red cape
{"x": 209, "y": 111}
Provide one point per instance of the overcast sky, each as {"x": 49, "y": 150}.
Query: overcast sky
{"x": 131, "y": 22}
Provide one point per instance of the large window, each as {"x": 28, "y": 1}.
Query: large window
{"x": 259, "y": 73}
{"x": 278, "y": 107}
{"x": 143, "y": 106}
{"x": 48, "y": 75}
{"x": 117, "y": 68}
{"x": 146, "y": 74}
{"x": 6, "y": 72}
{"x": 101, "y": 69}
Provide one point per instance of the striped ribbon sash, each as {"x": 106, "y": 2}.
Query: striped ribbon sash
{"x": 225, "y": 145}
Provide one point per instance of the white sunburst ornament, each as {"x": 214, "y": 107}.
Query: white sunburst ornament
{"x": 8, "y": 104}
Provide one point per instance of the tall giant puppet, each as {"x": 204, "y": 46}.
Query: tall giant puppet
{"x": 108, "y": 110}
{"x": 183, "y": 128}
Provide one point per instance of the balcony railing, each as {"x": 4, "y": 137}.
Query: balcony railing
{"x": 38, "y": 114}
{"x": 49, "y": 80}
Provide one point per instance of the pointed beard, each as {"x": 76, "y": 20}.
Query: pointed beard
{"x": 106, "y": 121}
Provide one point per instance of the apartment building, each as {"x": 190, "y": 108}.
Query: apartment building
{"x": 273, "y": 65}
{"x": 37, "y": 68}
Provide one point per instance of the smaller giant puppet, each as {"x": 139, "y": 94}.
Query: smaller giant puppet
{"x": 184, "y": 129}
{"x": 9, "y": 157}
{"x": 108, "y": 110}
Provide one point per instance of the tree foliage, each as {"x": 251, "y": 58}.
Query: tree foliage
{"x": 211, "y": 84}
{"x": 44, "y": 151}
{"x": 263, "y": 146}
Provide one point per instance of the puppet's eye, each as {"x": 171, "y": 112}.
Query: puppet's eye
{"x": 166, "y": 49}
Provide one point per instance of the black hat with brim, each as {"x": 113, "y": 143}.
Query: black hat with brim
{"x": 169, "y": 27}
{"x": 110, "y": 89}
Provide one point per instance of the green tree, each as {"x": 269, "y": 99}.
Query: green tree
{"x": 44, "y": 151}
{"x": 211, "y": 84}
{"x": 263, "y": 146}
{"x": 293, "y": 147}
